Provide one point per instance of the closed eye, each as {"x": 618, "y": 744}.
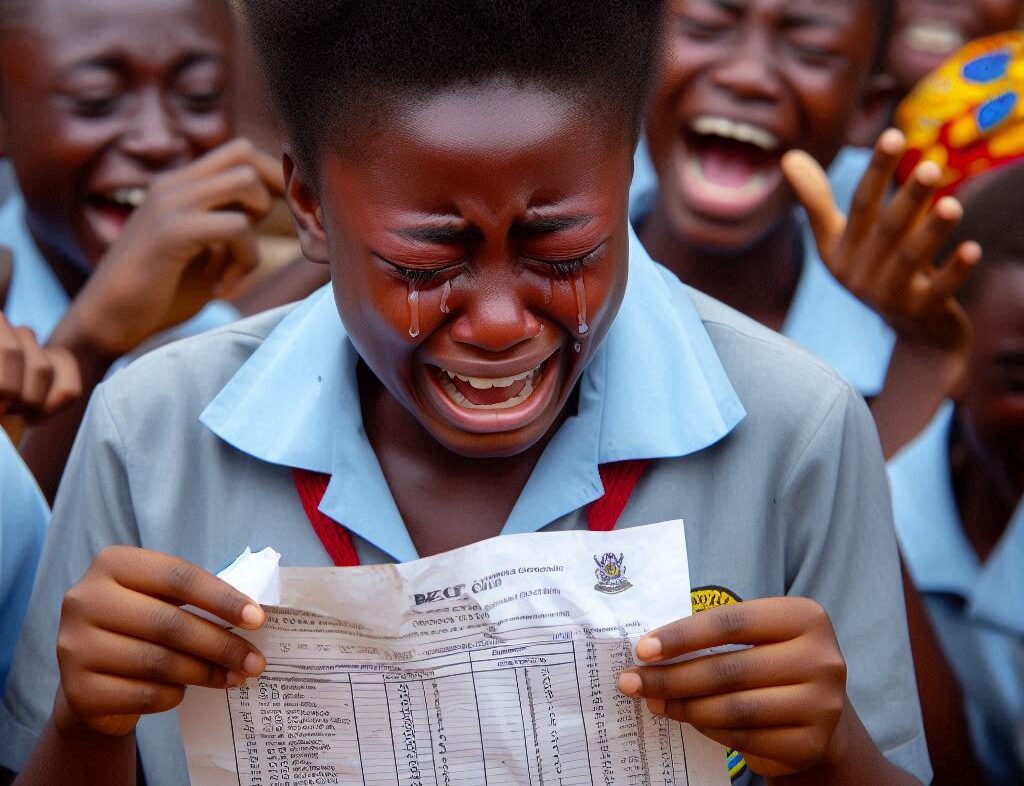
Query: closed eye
{"x": 566, "y": 268}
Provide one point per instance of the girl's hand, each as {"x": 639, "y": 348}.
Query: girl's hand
{"x": 777, "y": 702}
{"x": 125, "y": 647}
{"x": 884, "y": 254}
{"x": 189, "y": 241}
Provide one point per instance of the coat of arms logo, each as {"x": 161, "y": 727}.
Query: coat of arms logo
{"x": 611, "y": 574}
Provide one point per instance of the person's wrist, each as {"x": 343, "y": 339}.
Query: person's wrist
{"x": 84, "y": 337}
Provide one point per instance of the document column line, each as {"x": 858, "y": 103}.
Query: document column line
{"x": 234, "y": 742}
{"x": 479, "y": 723}
{"x": 686, "y": 764}
{"x": 391, "y": 728}
{"x": 526, "y": 750}
{"x": 579, "y": 692}
{"x": 430, "y": 731}
{"x": 355, "y": 723}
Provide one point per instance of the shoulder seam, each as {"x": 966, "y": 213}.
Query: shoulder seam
{"x": 793, "y": 349}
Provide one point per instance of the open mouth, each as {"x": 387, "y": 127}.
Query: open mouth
{"x": 492, "y": 404}
{"x": 730, "y": 167}
{"x": 935, "y": 38}
{"x": 111, "y": 209}
{"x": 483, "y": 393}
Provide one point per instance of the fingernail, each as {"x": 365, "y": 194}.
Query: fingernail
{"x": 928, "y": 173}
{"x": 892, "y": 141}
{"x": 949, "y": 209}
{"x": 253, "y": 664}
{"x": 656, "y": 706}
{"x": 630, "y": 683}
{"x": 234, "y": 679}
{"x": 252, "y": 615}
{"x": 648, "y": 648}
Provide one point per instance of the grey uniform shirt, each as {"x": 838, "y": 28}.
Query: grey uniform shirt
{"x": 793, "y": 501}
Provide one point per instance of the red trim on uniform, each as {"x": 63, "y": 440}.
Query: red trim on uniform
{"x": 619, "y": 480}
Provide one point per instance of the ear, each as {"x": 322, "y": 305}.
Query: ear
{"x": 307, "y": 211}
{"x": 875, "y": 112}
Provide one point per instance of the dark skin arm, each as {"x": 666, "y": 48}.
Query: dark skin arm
{"x": 945, "y": 724}
{"x": 125, "y": 649}
{"x": 883, "y": 254}
{"x": 781, "y": 702}
{"x": 191, "y": 240}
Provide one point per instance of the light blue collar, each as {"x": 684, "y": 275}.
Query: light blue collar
{"x": 824, "y": 317}
{"x": 36, "y": 299}
{"x": 655, "y": 389}
{"x": 938, "y": 554}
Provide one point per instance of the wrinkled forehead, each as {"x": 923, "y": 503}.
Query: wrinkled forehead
{"x": 838, "y": 10}
{"x": 72, "y": 30}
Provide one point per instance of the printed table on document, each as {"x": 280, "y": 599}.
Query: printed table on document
{"x": 492, "y": 715}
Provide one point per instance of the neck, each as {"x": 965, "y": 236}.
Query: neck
{"x": 446, "y": 500}
{"x": 984, "y": 493}
{"x": 72, "y": 276}
{"x": 759, "y": 281}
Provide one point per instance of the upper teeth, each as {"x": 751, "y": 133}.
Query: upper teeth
{"x": 486, "y": 383}
{"x": 133, "y": 197}
{"x": 937, "y": 38}
{"x": 741, "y": 132}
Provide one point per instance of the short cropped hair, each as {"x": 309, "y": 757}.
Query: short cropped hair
{"x": 335, "y": 66}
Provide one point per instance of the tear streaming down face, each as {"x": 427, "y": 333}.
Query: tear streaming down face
{"x": 478, "y": 265}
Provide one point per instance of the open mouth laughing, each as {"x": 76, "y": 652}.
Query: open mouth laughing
{"x": 729, "y": 167}
{"x": 109, "y": 210}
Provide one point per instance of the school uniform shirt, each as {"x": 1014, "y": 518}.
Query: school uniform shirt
{"x": 823, "y": 317}
{"x": 37, "y": 300}
{"x": 23, "y": 517}
{"x": 977, "y": 609}
{"x": 768, "y": 456}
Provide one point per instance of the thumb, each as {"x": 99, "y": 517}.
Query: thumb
{"x": 810, "y": 183}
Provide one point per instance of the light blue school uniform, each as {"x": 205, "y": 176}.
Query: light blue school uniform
{"x": 615, "y": 418}
{"x": 37, "y": 300}
{"x": 782, "y": 494}
{"x": 824, "y": 317}
{"x": 23, "y": 517}
{"x": 977, "y": 609}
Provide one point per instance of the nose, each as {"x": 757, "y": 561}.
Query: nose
{"x": 748, "y": 73}
{"x": 152, "y": 136}
{"x": 495, "y": 320}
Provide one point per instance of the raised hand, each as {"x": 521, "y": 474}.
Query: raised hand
{"x": 125, "y": 647}
{"x": 884, "y": 252}
{"x": 189, "y": 241}
{"x": 778, "y": 702}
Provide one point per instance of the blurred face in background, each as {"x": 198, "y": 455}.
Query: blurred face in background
{"x": 740, "y": 84}
{"x": 991, "y": 407}
{"x": 927, "y": 32}
{"x": 99, "y": 97}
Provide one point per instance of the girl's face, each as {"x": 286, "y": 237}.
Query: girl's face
{"x": 478, "y": 245}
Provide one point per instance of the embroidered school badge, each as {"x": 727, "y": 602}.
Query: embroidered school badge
{"x": 711, "y": 597}
{"x": 611, "y": 574}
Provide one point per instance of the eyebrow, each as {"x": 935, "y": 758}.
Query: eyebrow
{"x": 456, "y": 232}
{"x": 118, "y": 61}
{"x": 448, "y": 233}
{"x": 547, "y": 225}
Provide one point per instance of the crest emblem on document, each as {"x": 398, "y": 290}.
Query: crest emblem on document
{"x": 611, "y": 574}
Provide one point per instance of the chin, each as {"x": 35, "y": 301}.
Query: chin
{"x": 492, "y": 446}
